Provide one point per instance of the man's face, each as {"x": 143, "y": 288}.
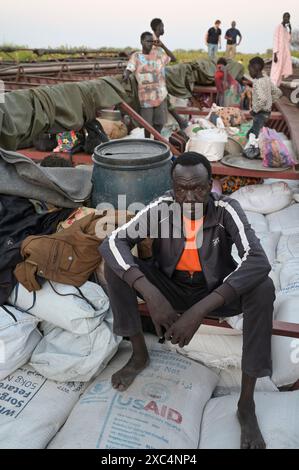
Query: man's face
{"x": 192, "y": 186}
{"x": 286, "y": 18}
{"x": 160, "y": 29}
{"x": 147, "y": 43}
{"x": 234, "y": 24}
{"x": 217, "y": 25}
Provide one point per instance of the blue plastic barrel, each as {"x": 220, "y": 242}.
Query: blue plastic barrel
{"x": 137, "y": 168}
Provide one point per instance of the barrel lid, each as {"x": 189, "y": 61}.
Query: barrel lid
{"x": 111, "y": 115}
{"x": 131, "y": 152}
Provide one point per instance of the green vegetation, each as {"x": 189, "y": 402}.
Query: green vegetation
{"x": 8, "y": 53}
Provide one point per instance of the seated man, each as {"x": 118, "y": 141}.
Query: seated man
{"x": 192, "y": 275}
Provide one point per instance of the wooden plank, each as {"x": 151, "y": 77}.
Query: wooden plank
{"x": 290, "y": 330}
{"x": 290, "y": 113}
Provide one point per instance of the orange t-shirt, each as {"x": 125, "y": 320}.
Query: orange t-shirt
{"x": 190, "y": 259}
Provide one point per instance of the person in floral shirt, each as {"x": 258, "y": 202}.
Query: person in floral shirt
{"x": 148, "y": 67}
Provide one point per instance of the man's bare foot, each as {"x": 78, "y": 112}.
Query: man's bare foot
{"x": 251, "y": 436}
{"x": 122, "y": 379}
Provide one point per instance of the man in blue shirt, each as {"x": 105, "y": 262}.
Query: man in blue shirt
{"x": 231, "y": 37}
{"x": 213, "y": 40}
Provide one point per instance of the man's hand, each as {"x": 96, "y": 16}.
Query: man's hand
{"x": 161, "y": 311}
{"x": 275, "y": 58}
{"x": 158, "y": 43}
{"x": 183, "y": 330}
{"x": 126, "y": 75}
{"x": 186, "y": 326}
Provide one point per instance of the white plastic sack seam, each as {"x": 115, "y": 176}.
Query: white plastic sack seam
{"x": 65, "y": 308}
{"x": 18, "y": 338}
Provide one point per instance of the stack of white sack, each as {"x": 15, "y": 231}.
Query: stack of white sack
{"x": 277, "y": 415}
{"x": 33, "y": 409}
{"x": 19, "y": 336}
{"x": 162, "y": 409}
{"x": 220, "y": 349}
{"x": 78, "y": 340}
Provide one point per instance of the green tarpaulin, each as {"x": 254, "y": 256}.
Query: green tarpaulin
{"x": 27, "y": 113}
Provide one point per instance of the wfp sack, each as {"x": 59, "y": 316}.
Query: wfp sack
{"x": 33, "y": 409}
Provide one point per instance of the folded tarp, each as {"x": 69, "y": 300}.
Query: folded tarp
{"x": 63, "y": 187}
{"x": 27, "y": 113}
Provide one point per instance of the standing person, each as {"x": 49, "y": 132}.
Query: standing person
{"x": 157, "y": 26}
{"x": 282, "y": 60}
{"x": 148, "y": 67}
{"x": 231, "y": 36}
{"x": 213, "y": 40}
{"x": 192, "y": 275}
{"x": 264, "y": 94}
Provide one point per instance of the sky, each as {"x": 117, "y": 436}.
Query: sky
{"x": 112, "y": 23}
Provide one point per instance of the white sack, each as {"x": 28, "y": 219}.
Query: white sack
{"x": 288, "y": 248}
{"x": 285, "y": 350}
{"x": 257, "y": 221}
{"x": 162, "y": 409}
{"x": 277, "y": 415}
{"x": 33, "y": 409}
{"x": 285, "y": 221}
{"x": 218, "y": 351}
{"x": 68, "y": 310}
{"x": 63, "y": 356}
{"x": 18, "y": 338}
{"x": 264, "y": 199}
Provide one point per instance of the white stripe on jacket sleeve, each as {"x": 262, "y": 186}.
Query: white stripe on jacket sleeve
{"x": 112, "y": 245}
{"x": 241, "y": 228}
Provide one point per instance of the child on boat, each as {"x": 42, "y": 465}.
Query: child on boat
{"x": 264, "y": 94}
{"x": 228, "y": 89}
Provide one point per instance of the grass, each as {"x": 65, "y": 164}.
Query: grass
{"x": 183, "y": 56}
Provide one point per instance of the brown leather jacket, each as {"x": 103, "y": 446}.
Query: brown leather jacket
{"x": 68, "y": 257}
